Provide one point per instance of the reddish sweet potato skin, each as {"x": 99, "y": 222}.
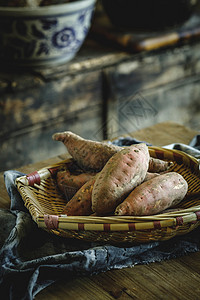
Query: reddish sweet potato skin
{"x": 125, "y": 170}
{"x": 81, "y": 202}
{"x": 89, "y": 155}
{"x": 69, "y": 183}
{"x": 157, "y": 165}
{"x": 154, "y": 195}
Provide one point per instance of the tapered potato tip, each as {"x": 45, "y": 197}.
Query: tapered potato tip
{"x": 60, "y": 136}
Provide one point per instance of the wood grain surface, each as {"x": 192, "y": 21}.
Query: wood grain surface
{"x": 174, "y": 279}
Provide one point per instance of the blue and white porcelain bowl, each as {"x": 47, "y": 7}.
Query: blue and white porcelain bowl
{"x": 44, "y": 36}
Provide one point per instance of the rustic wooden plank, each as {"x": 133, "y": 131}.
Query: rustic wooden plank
{"x": 166, "y": 133}
{"x": 154, "y": 88}
{"x": 35, "y": 143}
{"x": 82, "y": 288}
{"x": 92, "y": 56}
{"x": 120, "y": 284}
{"x": 164, "y": 280}
{"x": 177, "y": 102}
{"x": 154, "y": 69}
{"x": 176, "y": 278}
{"x": 192, "y": 262}
{"x": 48, "y": 102}
{"x": 30, "y": 114}
{"x": 139, "y": 282}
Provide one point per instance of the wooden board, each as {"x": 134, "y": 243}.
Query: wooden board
{"x": 32, "y": 109}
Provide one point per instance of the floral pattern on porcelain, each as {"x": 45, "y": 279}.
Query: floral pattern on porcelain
{"x": 43, "y": 39}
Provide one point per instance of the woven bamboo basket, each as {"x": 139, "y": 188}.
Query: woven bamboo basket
{"x": 45, "y": 204}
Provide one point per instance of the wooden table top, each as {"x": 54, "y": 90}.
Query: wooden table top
{"x": 174, "y": 279}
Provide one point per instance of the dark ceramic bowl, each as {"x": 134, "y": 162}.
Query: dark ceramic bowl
{"x": 148, "y": 14}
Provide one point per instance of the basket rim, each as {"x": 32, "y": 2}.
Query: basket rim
{"x": 70, "y": 223}
{"x": 118, "y": 223}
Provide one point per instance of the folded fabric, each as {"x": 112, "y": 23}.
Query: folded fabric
{"x": 192, "y": 149}
{"x": 195, "y": 142}
{"x": 185, "y": 148}
{"x": 32, "y": 259}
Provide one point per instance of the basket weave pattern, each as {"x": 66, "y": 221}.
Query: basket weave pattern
{"x": 45, "y": 204}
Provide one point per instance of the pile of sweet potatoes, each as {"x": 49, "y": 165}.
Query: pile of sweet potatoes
{"x": 117, "y": 180}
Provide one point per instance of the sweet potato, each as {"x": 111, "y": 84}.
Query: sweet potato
{"x": 93, "y": 155}
{"x": 125, "y": 170}
{"x": 69, "y": 183}
{"x": 88, "y": 154}
{"x": 154, "y": 195}
{"x": 158, "y": 165}
{"x": 81, "y": 202}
